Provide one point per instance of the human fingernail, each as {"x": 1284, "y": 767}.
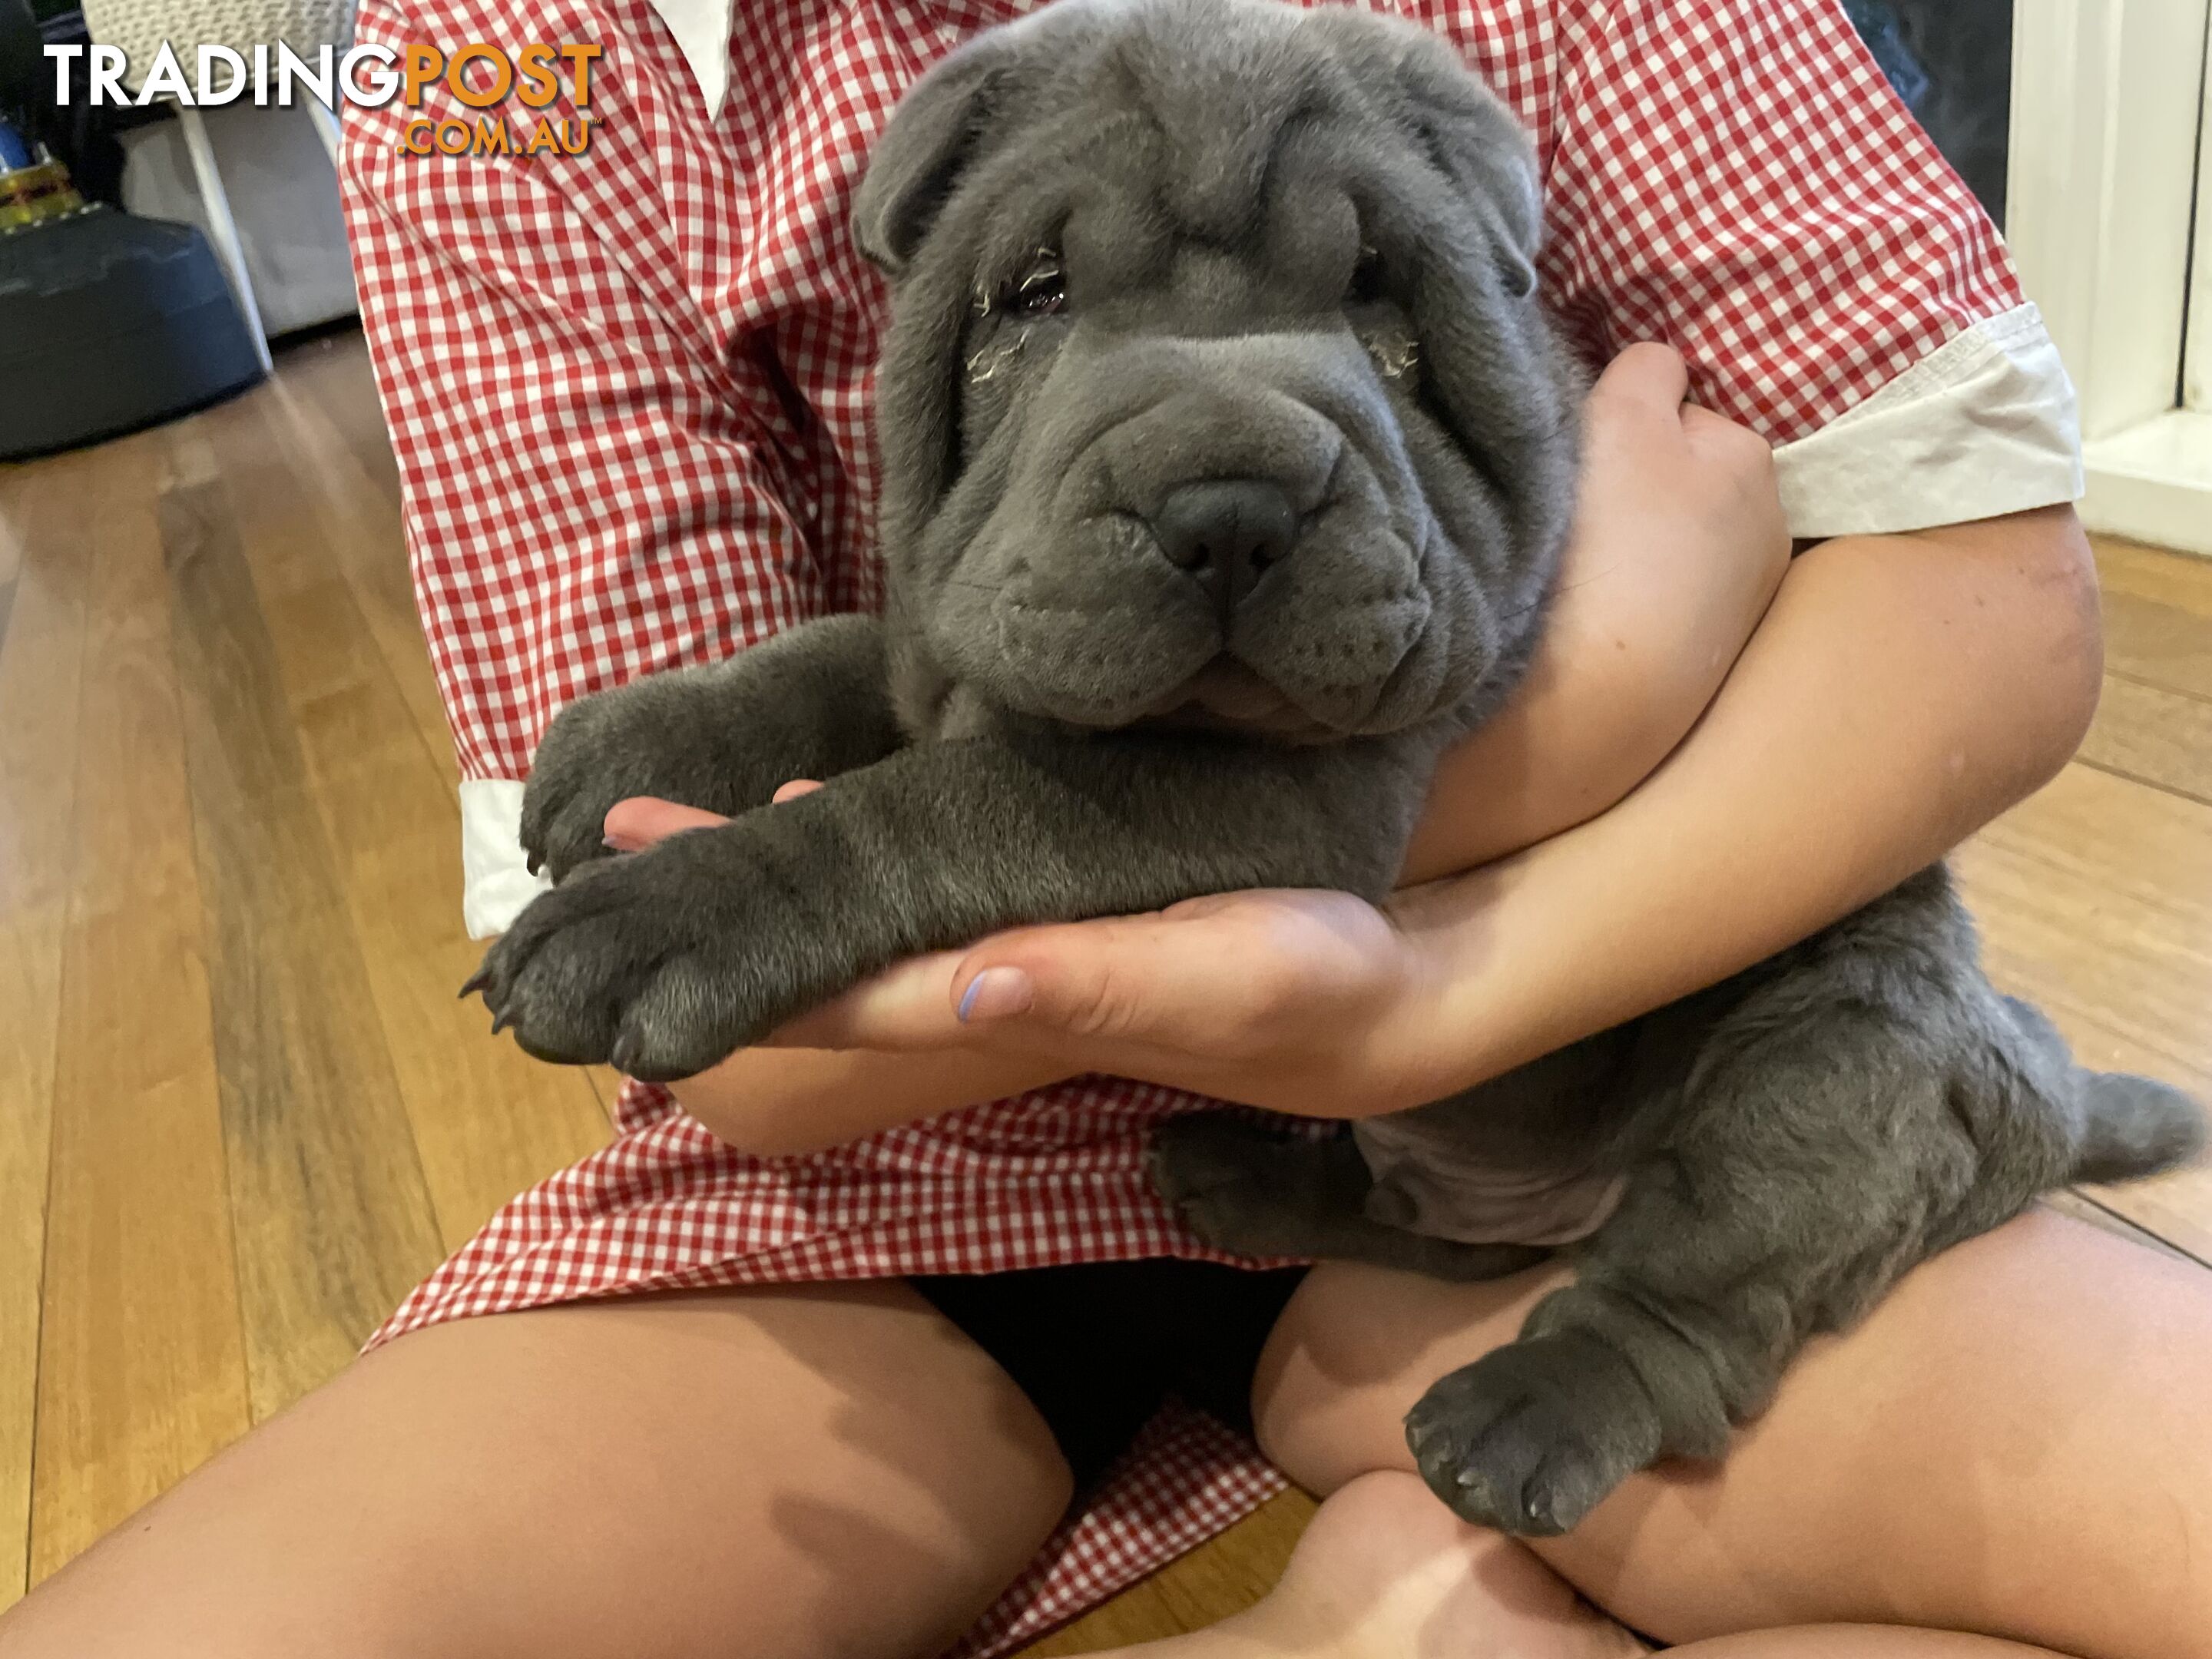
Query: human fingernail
{"x": 997, "y": 994}
{"x": 619, "y": 844}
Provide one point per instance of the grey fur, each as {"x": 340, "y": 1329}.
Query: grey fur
{"x": 1296, "y": 250}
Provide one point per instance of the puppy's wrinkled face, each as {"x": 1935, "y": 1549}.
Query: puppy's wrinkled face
{"x": 1216, "y": 388}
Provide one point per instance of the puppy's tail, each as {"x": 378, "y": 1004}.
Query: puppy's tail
{"x": 2133, "y": 1127}
{"x": 2124, "y": 1127}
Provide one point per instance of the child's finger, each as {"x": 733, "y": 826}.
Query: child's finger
{"x": 907, "y": 1008}
{"x": 634, "y": 824}
{"x": 1649, "y": 373}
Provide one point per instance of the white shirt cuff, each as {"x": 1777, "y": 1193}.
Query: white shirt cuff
{"x": 1984, "y": 425}
{"x": 496, "y": 878}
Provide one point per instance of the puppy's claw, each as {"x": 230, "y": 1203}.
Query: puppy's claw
{"x": 474, "y": 983}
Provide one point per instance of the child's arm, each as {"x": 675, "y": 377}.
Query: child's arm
{"x": 1680, "y": 543}
{"x": 1901, "y": 691}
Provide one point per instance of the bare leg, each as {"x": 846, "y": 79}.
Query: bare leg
{"x": 1387, "y": 1572}
{"x": 2013, "y": 1444}
{"x": 1858, "y": 1641}
{"x": 1384, "y": 1571}
{"x": 779, "y": 1474}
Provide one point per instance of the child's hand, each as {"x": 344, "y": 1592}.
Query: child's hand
{"x": 1297, "y": 1001}
{"x": 793, "y": 1097}
{"x": 1678, "y": 545}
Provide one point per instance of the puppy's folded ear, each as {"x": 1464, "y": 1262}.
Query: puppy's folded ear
{"x": 918, "y": 161}
{"x": 1476, "y": 142}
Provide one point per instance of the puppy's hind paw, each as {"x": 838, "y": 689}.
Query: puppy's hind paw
{"x": 1531, "y": 1436}
{"x": 1245, "y": 1188}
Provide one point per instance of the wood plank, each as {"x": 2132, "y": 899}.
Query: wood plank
{"x": 1226, "y": 1574}
{"x": 335, "y": 374}
{"x": 314, "y": 410}
{"x": 141, "y": 1370}
{"x": 2095, "y": 902}
{"x": 2176, "y": 1208}
{"x": 11, "y": 551}
{"x": 607, "y": 1085}
{"x": 2096, "y": 896}
{"x": 42, "y": 568}
{"x": 333, "y": 1220}
{"x": 2157, "y": 618}
{"x": 2082, "y": 1207}
{"x": 2182, "y": 580}
{"x": 487, "y": 1121}
{"x": 2153, "y": 736}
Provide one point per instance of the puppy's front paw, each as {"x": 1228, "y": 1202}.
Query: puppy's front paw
{"x": 652, "y": 963}
{"x": 1530, "y": 1437}
{"x": 642, "y": 739}
{"x": 581, "y": 769}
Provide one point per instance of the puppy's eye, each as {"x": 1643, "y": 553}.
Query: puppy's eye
{"x": 1043, "y": 289}
{"x": 1366, "y": 286}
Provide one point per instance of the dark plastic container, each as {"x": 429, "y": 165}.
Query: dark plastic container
{"x": 108, "y": 324}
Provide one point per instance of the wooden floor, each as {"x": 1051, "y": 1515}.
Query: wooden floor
{"x": 240, "y": 1110}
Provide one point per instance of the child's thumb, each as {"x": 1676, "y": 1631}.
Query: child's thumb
{"x": 1110, "y": 982}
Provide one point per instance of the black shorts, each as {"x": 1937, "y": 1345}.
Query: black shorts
{"x": 1098, "y": 1347}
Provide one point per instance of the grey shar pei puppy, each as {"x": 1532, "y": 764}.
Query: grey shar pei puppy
{"x": 1228, "y": 459}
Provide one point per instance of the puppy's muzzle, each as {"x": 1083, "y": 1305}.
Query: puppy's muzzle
{"x": 1227, "y": 533}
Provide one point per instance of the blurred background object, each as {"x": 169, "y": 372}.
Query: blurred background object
{"x": 249, "y": 177}
{"x": 107, "y": 322}
{"x": 81, "y": 138}
{"x": 1951, "y": 61}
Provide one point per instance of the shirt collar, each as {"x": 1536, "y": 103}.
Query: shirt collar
{"x": 702, "y": 28}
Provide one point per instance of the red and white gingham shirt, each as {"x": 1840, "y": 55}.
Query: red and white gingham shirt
{"x": 629, "y": 393}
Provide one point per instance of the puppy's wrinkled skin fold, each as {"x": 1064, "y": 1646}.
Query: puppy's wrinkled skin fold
{"x": 1228, "y": 455}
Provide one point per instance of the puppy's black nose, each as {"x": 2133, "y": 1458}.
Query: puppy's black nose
{"x": 1225, "y": 532}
